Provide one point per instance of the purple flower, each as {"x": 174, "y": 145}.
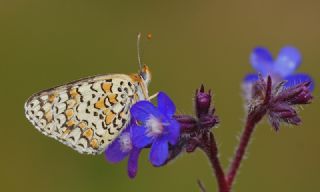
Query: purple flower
{"x": 121, "y": 148}
{"x": 155, "y": 126}
{"x": 282, "y": 68}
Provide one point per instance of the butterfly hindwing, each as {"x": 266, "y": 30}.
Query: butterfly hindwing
{"x": 87, "y": 114}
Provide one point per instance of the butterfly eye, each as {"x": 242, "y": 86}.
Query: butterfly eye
{"x": 143, "y": 75}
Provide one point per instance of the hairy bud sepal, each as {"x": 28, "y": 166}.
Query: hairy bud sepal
{"x": 277, "y": 102}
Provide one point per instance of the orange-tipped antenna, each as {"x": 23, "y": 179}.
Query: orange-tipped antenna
{"x": 139, "y": 49}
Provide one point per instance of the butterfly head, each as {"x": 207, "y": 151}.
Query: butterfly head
{"x": 145, "y": 75}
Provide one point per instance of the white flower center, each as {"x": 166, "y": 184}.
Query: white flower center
{"x": 154, "y": 126}
{"x": 125, "y": 142}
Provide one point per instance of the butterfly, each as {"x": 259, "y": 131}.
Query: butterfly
{"x": 88, "y": 114}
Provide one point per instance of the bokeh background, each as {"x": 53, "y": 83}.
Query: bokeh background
{"x": 44, "y": 43}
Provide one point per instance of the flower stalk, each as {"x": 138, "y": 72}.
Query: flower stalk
{"x": 241, "y": 149}
{"x": 210, "y": 148}
{"x": 262, "y": 92}
{"x": 197, "y": 132}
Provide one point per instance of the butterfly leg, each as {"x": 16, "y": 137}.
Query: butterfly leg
{"x": 153, "y": 96}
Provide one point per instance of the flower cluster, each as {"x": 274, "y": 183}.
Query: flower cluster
{"x": 150, "y": 127}
{"x": 276, "y": 90}
{"x": 279, "y": 102}
{"x": 164, "y": 132}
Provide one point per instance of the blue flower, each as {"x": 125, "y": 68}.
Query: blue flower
{"x": 121, "y": 148}
{"x": 282, "y": 68}
{"x": 155, "y": 126}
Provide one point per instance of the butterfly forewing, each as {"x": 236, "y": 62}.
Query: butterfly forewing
{"x": 87, "y": 114}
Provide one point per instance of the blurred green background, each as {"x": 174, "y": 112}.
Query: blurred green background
{"x": 45, "y": 43}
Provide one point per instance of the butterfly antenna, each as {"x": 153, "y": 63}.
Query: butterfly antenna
{"x": 138, "y": 50}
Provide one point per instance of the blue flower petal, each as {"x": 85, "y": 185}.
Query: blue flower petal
{"x": 295, "y": 79}
{"x": 166, "y": 105}
{"x": 139, "y": 137}
{"x": 250, "y": 78}
{"x": 159, "y": 152}
{"x": 288, "y": 61}
{"x": 261, "y": 60}
{"x": 133, "y": 162}
{"x": 173, "y": 131}
{"x": 114, "y": 154}
{"x": 142, "y": 110}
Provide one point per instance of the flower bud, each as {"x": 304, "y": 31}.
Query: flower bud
{"x": 208, "y": 121}
{"x": 188, "y": 124}
{"x": 279, "y": 102}
{"x": 202, "y": 102}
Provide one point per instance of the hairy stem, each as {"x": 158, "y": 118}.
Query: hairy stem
{"x": 242, "y": 147}
{"x": 209, "y": 146}
{"x": 254, "y": 116}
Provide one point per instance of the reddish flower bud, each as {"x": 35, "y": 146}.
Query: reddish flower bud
{"x": 188, "y": 124}
{"x": 208, "y": 121}
{"x": 202, "y": 102}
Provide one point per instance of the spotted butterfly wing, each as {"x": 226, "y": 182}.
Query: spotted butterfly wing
{"x": 87, "y": 114}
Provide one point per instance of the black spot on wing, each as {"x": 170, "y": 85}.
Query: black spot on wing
{"x": 104, "y": 126}
{"x": 72, "y": 138}
{"x": 110, "y": 132}
{"x": 80, "y": 145}
{"x": 114, "y": 122}
{"x": 92, "y": 88}
{"x": 56, "y": 110}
